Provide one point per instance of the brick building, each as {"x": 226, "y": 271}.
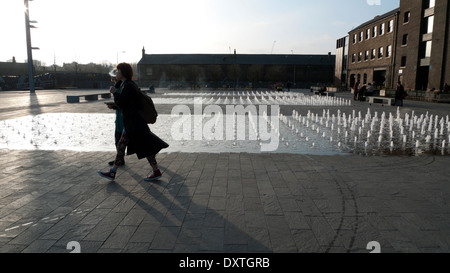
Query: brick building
{"x": 371, "y": 51}
{"x": 422, "y": 60}
{"x": 409, "y": 44}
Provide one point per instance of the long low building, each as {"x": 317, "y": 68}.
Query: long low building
{"x": 235, "y": 70}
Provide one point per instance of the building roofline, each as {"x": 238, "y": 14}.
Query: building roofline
{"x": 322, "y": 59}
{"x": 377, "y": 18}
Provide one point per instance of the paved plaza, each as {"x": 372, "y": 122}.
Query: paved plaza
{"x": 220, "y": 202}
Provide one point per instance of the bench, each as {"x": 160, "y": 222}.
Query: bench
{"x": 318, "y": 88}
{"x": 89, "y": 97}
{"x": 321, "y": 93}
{"x": 442, "y": 98}
{"x": 381, "y": 100}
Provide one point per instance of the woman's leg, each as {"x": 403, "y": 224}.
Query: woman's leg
{"x": 117, "y": 136}
{"x": 156, "y": 172}
{"x": 121, "y": 147}
{"x": 153, "y": 163}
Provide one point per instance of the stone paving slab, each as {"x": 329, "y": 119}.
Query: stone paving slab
{"x": 219, "y": 203}
{"x": 338, "y": 207}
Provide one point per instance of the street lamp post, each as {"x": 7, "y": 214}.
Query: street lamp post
{"x": 29, "y": 49}
{"x": 235, "y": 72}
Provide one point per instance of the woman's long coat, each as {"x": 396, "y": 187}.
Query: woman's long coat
{"x": 141, "y": 141}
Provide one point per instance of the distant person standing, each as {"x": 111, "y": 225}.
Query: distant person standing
{"x": 362, "y": 93}
{"x": 370, "y": 90}
{"x": 355, "y": 91}
{"x": 137, "y": 135}
{"x": 399, "y": 95}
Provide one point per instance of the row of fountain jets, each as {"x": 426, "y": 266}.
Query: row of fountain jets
{"x": 424, "y": 133}
{"x": 254, "y": 98}
{"x": 368, "y": 133}
{"x": 355, "y": 132}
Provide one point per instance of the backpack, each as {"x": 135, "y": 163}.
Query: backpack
{"x": 147, "y": 110}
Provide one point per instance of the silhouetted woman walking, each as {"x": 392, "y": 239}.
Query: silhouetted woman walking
{"x": 137, "y": 136}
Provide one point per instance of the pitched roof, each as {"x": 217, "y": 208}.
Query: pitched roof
{"x": 377, "y": 18}
{"x": 220, "y": 59}
{"x": 10, "y": 68}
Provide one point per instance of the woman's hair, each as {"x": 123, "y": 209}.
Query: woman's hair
{"x": 126, "y": 69}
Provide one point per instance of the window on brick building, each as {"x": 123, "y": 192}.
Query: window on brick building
{"x": 380, "y": 52}
{"x": 389, "y": 51}
{"x": 390, "y": 26}
{"x": 382, "y": 29}
{"x": 403, "y": 61}
{"x": 406, "y": 17}
{"x": 429, "y": 24}
{"x": 405, "y": 39}
{"x": 428, "y": 46}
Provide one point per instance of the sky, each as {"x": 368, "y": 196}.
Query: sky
{"x": 111, "y": 31}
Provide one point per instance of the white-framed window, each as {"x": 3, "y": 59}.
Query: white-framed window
{"x": 428, "y": 46}
{"x": 382, "y": 29}
{"x": 389, "y": 51}
{"x": 380, "y": 53}
{"x": 390, "y": 26}
{"x": 430, "y": 24}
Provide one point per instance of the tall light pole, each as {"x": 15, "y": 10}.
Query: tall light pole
{"x": 294, "y": 67}
{"x": 29, "y": 48}
{"x": 235, "y": 72}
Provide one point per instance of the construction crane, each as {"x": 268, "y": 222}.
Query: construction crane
{"x": 273, "y": 46}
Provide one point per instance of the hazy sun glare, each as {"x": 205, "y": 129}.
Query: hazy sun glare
{"x": 75, "y": 28}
